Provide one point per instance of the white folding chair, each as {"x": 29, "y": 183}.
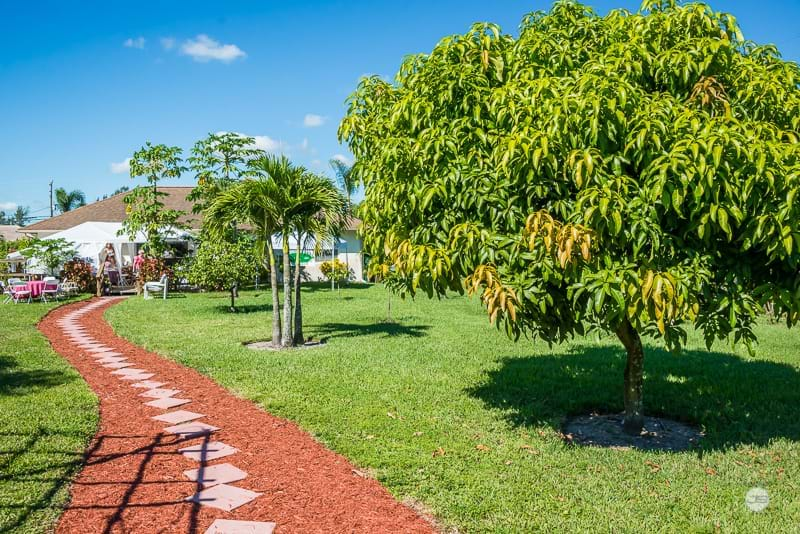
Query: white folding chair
{"x": 20, "y": 292}
{"x": 51, "y": 289}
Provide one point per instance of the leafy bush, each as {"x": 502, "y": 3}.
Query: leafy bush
{"x": 219, "y": 264}
{"x": 80, "y": 273}
{"x": 335, "y": 270}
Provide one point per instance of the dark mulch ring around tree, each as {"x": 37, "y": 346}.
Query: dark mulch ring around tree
{"x": 659, "y": 434}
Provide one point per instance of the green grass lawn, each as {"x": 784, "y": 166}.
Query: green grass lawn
{"x": 447, "y": 412}
{"x": 47, "y": 416}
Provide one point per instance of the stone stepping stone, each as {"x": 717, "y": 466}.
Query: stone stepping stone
{"x": 148, "y": 384}
{"x": 111, "y": 360}
{"x": 137, "y": 377}
{"x": 206, "y": 452}
{"x": 159, "y": 393}
{"x": 107, "y": 355}
{"x": 179, "y": 416}
{"x": 118, "y": 365}
{"x": 215, "y": 474}
{"x": 223, "y": 496}
{"x": 100, "y": 350}
{"x": 166, "y": 403}
{"x": 191, "y": 430}
{"x": 231, "y": 526}
{"x": 128, "y": 372}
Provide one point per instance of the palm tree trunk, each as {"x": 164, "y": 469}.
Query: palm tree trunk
{"x": 276, "y": 300}
{"x": 298, "y": 309}
{"x": 287, "y": 340}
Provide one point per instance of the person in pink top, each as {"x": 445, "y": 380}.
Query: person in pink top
{"x": 138, "y": 261}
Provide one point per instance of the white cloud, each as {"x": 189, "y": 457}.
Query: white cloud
{"x": 264, "y": 142}
{"x": 312, "y": 121}
{"x": 304, "y": 145}
{"x": 8, "y": 206}
{"x": 167, "y": 43}
{"x": 203, "y": 48}
{"x": 268, "y": 144}
{"x": 341, "y": 157}
{"x": 137, "y": 42}
{"x": 122, "y": 167}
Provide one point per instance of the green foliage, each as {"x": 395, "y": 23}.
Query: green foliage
{"x": 51, "y": 253}
{"x": 145, "y": 210}
{"x": 21, "y": 216}
{"x": 639, "y": 167}
{"x": 346, "y": 178}
{"x": 219, "y": 264}
{"x": 80, "y": 273}
{"x": 335, "y": 270}
{"x": 68, "y": 201}
{"x": 219, "y": 161}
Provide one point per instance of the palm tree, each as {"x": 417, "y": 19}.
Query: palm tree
{"x": 346, "y": 178}
{"x": 69, "y": 201}
{"x": 321, "y": 220}
{"x": 253, "y": 202}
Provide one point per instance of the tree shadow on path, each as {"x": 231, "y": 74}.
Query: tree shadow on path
{"x": 735, "y": 400}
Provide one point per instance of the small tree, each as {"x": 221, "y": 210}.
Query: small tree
{"x": 632, "y": 173}
{"x": 346, "y": 179}
{"x": 22, "y": 215}
{"x": 220, "y": 264}
{"x": 219, "y": 161}
{"x": 335, "y": 270}
{"x": 52, "y": 253}
{"x": 145, "y": 211}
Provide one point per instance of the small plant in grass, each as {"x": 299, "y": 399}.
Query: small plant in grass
{"x": 335, "y": 270}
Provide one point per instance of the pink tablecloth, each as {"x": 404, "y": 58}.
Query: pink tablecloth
{"x": 35, "y": 287}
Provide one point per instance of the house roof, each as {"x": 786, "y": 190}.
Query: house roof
{"x": 112, "y": 209}
{"x": 353, "y": 223}
{"x": 10, "y": 232}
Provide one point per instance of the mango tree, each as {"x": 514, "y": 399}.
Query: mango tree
{"x": 634, "y": 173}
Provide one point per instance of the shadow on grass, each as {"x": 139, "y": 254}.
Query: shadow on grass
{"x": 327, "y": 331}
{"x": 15, "y": 381}
{"x": 735, "y": 400}
{"x": 65, "y": 463}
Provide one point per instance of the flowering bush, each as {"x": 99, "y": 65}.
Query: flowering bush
{"x": 152, "y": 269}
{"x": 335, "y": 270}
{"x": 80, "y": 273}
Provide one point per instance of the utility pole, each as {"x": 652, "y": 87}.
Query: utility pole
{"x": 51, "y": 198}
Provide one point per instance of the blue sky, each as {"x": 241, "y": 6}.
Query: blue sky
{"x": 85, "y": 83}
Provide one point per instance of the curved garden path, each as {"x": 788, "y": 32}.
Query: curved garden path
{"x": 247, "y": 465}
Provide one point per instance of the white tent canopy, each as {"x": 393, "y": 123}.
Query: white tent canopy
{"x": 90, "y": 238}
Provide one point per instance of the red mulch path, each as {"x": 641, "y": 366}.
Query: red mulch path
{"x": 133, "y": 478}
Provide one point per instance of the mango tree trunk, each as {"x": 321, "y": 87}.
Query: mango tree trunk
{"x": 298, "y": 308}
{"x": 287, "y": 340}
{"x": 276, "y": 300}
{"x": 634, "y": 376}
